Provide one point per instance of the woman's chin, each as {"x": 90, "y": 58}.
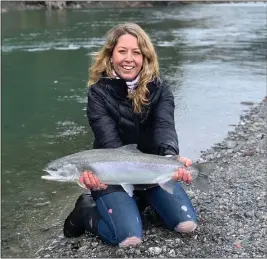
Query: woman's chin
{"x": 127, "y": 76}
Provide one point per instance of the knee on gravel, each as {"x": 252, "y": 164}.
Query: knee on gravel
{"x": 186, "y": 227}
{"x": 130, "y": 241}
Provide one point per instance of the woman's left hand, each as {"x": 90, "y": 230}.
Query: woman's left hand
{"x": 182, "y": 174}
{"x": 187, "y": 162}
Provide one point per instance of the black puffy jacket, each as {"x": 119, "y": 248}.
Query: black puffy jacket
{"x": 113, "y": 122}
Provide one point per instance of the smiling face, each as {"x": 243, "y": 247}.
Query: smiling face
{"x": 127, "y": 58}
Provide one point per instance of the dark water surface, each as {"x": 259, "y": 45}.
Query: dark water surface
{"x": 213, "y": 55}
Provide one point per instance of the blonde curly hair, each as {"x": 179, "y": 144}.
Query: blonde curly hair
{"x": 150, "y": 69}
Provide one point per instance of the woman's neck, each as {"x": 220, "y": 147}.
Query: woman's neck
{"x": 132, "y": 85}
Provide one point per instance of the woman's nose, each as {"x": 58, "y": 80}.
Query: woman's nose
{"x": 129, "y": 56}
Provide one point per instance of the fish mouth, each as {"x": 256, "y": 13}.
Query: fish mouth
{"x": 52, "y": 174}
{"x": 50, "y": 169}
{"x": 59, "y": 173}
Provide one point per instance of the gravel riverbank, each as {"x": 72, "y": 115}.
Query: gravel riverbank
{"x": 232, "y": 215}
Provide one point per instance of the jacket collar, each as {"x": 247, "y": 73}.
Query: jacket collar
{"x": 119, "y": 89}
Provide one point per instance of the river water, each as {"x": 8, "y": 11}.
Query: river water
{"x": 213, "y": 55}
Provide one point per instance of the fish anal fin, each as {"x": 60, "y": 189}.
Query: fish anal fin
{"x": 81, "y": 184}
{"x": 168, "y": 185}
{"x": 129, "y": 188}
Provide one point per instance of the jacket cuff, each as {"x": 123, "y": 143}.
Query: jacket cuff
{"x": 167, "y": 151}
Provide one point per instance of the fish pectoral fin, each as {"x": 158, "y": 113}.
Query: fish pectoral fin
{"x": 82, "y": 185}
{"x": 129, "y": 188}
{"x": 168, "y": 185}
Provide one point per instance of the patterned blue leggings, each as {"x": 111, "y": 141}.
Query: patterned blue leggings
{"x": 120, "y": 216}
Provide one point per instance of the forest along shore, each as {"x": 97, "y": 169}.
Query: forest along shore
{"x": 232, "y": 215}
{"x": 59, "y": 5}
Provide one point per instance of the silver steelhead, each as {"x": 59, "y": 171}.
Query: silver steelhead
{"x": 125, "y": 166}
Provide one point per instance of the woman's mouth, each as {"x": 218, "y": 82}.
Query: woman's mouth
{"x": 128, "y": 67}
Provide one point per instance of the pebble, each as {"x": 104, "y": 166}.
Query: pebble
{"x": 249, "y": 153}
{"x": 119, "y": 252}
{"x": 172, "y": 253}
{"x": 230, "y": 144}
{"x": 137, "y": 252}
{"x": 154, "y": 250}
{"x": 83, "y": 249}
{"x": 94, "y": 244}
{"x": 250, "y": 214}
{"x": 164, "y": 248}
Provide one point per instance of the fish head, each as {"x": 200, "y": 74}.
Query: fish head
{"x": 61, "y": 171}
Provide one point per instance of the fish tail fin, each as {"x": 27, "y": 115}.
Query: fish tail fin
{"x": 202, "y": 181}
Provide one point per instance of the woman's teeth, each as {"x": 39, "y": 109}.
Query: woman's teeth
{"x": 127, "y": 68}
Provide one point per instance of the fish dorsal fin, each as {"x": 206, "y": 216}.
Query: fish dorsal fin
{"x": 130, "y": 148}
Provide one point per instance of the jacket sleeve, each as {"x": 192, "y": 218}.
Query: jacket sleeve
{"x": 165, "y": 135}
{"x": 102, "y": 124}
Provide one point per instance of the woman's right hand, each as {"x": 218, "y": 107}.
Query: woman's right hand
{"x": 91, "y": 181}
